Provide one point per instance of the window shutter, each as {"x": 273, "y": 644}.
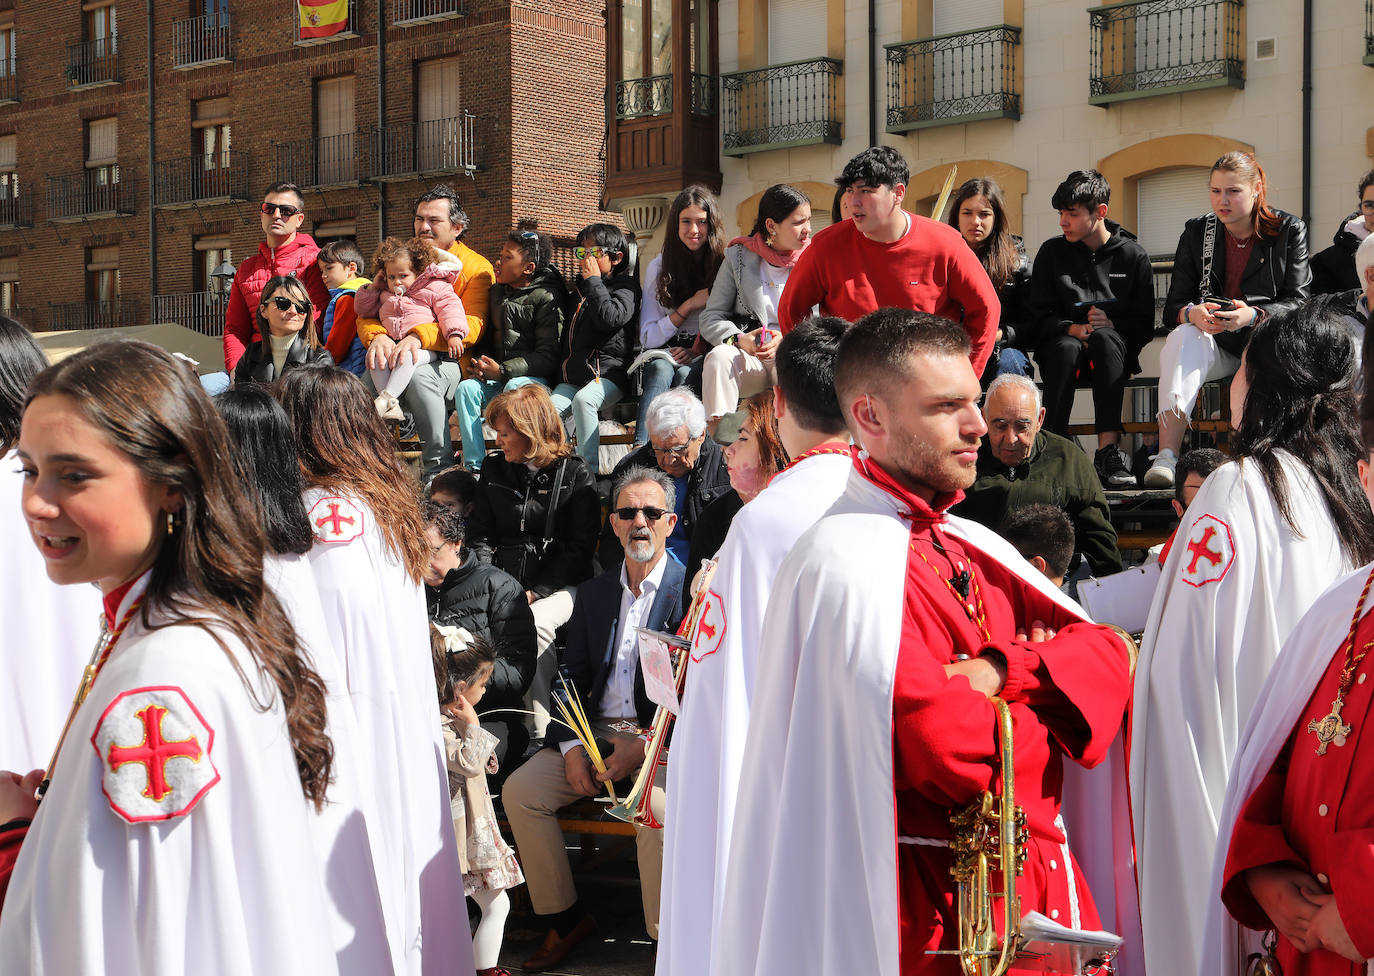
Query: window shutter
{"x": 439, "y": 92}
{"x": 960, "y": 16}
{"x": 103, "y": 259}
{"x": 796, "y": 30}
{"x": 334, "y": 106}
{"x": 102, "y": 140}
{"x": 9, "y": 153}
{"x": 1164, "y": 202}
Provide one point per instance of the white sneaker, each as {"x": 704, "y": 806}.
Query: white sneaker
{"x": 1161, "y": 473}
{"x": 388, "y": 407}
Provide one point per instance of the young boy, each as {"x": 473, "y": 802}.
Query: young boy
{"x": 1043, "y": 535}
{"x": 340, "y": 262}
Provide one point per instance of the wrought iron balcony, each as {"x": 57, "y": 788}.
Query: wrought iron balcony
{"x": 407, "y": 13}
{"x": 322, "y": 161}
{"x": 953, "y": 78}
{"x": 197, "y": 179}
{"x": 200, "y": 311}
{"x": 1152, "y": 47}
{"x": 89, "y": 193}
{"x": 93, "y": 62}
{"x": 9, "y": 80}
{"x": 704, "y": 100}
{"x": 638, "y": 97}
{"x": 16, "y": 211}
{"x": 792, "y": 104}
{"x": 1369, "y": 32}
{"x": 109, "y": 314}
{"x": 410, "y": 149}
{"x": 199, "y": 41}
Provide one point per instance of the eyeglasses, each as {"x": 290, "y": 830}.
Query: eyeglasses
{"x": 591, "y": 252}
{"x": 651, "y": 514}
{"x": 1367, "y": 206}
{"x": 679, "y": 453}
{"x": 285, "y": 209}
{"x": 285, "y": 304}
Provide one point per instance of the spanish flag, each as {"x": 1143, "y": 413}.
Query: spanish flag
{"x": 323, "y": 18}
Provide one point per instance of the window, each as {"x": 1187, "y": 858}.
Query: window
{"x": 646, "y": 38}
{"x": 9, "y": 168}
{"x": 100, "y": 28}
{"x": 335, "y": 159}
{"x": 215, "y": 12}
{"x": 102, "y": 278}
{"x": 438, "y": 130}
{"x": 213, "y": 136}
{"x": 102, "y": 150}
{"x": 796, "y": 30}
{"x": 1165, "y": 201}
{"x": 9, "y": 285}
{"x": 7, "y": 59}
{"x": 211, "y": 252}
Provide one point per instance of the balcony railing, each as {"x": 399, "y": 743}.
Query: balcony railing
{"x": 93, "y": 62}
{"x": 90, "y": 193}
{"x": 410, "y": 149}
{"x": 24, "y": 315}
{"x": 16, "y": 211}
{"x": 792, "y": 104}
{"x": 200, "y": 311}
{"x": 312, "y": 26}
{"x": 9, "y": 80}
{"x": 638, "y": 97}
{"x": 951, "y": 78}
{"x": 704, "y": 88}
{"x": 109, "y": 314}
{"x": 1153, "y": 47}
{"x": 201, "y": 40}
{"x": 208, "y": 176}
{"x": 322, "y": 161}
{"x": 407, "y": 13}
{"x": 1369, "y": 32}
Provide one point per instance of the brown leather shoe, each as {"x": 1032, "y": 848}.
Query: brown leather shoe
{"x": 555, "y": 949}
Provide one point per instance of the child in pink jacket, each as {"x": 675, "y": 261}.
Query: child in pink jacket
{"x": 411, "y": 294}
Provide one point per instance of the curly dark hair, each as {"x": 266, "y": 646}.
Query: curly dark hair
{"x": 418, "y": 251}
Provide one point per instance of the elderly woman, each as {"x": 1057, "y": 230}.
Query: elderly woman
{"x": 678, "y": 446}
{"x": 287, "y": 333}
{"x": 536, "y": 516}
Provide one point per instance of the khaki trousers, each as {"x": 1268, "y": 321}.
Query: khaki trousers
{"x": 730, "y": 374}
{"x": 533, "y": 795}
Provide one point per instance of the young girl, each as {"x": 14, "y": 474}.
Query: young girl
{"x": 489, "y": 865}
{"x": 600, "y": 341}
{"x": 411, "y": 294}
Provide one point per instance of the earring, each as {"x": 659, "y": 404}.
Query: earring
{"x": 771, "y": 241}
{"x": 171, "y": 524}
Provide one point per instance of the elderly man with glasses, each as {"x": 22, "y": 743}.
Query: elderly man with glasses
{"x": 678, "y": 446}
{"x": 284, "y": 251}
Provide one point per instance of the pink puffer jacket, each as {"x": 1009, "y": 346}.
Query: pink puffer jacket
{"x": 430, "y": 299}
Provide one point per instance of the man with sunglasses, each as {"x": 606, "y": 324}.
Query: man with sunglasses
{"x": 602, "y": 659}
{"x": 284, "y": 251}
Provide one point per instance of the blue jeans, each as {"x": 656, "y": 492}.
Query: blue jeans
{"x": 215, "y": 383}
{"x": 471, "y": 401}
{"x": 658, "y": 376}
{"x": 585, "y": 405}
{"x": 1014, "y": 361}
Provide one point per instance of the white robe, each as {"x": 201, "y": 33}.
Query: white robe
{"x": 345, "y": 827}
{"x": 379, "y": 625}
{"x": 49, "y": 633}
{"x": 1235, "y": 584}
{"x": 708, "y": 740}
{"x": 1306, "y": 656}
{"x": 231, "y": 885}
{"x": 790, "y": 904}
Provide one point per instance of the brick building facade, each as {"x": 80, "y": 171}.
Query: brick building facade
{"x": 106, "y": 220}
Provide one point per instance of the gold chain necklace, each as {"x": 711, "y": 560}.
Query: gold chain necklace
{"x": 1331, "y": 728}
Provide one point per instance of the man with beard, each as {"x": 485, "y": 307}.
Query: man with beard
{"x": 870, "y": 724}
{"x": 602, "y": 659}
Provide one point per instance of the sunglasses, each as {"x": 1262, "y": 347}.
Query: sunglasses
{"x": 591, "y": 252}
{"x": 285, "y": 209}
{"x": 651, "y": 514}
{"x": 285, "y": 304}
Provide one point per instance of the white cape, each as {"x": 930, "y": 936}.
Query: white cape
{"x": 379, "y": 625}
{"x": 1306, "y": 656}
{"x": 708, "y": 740}
{"x": 50, "y": 631}
{"x": 233, "y": 886}
{"x": 790, "y": 906}
{"x": 1237, "y": 580}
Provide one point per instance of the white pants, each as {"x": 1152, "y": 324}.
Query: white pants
{"x": 394, "y": 381}
{"x": 728, "y": 374}
{"x": 550, "y": 613}
{"x": 1189, "y": 359}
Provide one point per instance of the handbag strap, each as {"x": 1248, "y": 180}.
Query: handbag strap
{"x": 553, "y": 499}
{"x": 1209, "y": 245}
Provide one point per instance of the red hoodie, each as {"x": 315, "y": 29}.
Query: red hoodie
{"x": 296, "y": 257}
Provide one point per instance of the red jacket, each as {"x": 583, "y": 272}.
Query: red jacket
{"x": 296, "y": 257}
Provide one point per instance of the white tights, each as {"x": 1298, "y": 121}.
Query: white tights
{"x": 486, "y": 941}
{"x": 394, "y": 381}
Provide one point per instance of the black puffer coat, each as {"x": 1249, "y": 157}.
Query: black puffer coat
{"x": 1333, "y": 270}
{"x": 524, "y": 326}
{"x": 602, "y": 330}
{"x": 487, "y": 602}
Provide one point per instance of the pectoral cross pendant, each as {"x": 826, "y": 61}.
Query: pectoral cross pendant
{"x": 1331, "y": 728}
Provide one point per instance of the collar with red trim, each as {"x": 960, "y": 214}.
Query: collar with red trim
{"x": 115, "y": 597}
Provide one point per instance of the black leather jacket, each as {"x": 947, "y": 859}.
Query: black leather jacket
{"x": 255, "y": 366}
{"x": 1276, "y": 276}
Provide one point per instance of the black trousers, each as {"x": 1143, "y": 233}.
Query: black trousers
{"x": 1062, "y": 358}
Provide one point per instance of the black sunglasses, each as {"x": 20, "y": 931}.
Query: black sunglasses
{"x": 651, "y": 514}
{"x": 285, "y": 304}
{"x": 285, "y": 209}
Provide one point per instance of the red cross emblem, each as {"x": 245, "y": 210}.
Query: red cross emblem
{"x": 710, "y": 628}
{"x": 149, "y": 741}
{"x": 336, "y": 519}
{"x": 1209, "y": 553}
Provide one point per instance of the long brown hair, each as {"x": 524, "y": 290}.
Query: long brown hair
{"x": 208, "y": 572}
{"x": 530, "y": 410}
{"x": 997, "y": 253}
{"x": 296, "y": 290}
{"x": 344, "y": 446}
{"x": 684, "y": 272}
{"x": 772, "y": 455}
{"x": 1263, "y": 220}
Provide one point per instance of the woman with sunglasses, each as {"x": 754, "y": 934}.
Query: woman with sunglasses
{"x": 286, "y": 324}
{"x": 536, "y": 515}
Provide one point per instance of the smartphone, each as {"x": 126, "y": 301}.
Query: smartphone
{"x": 1222, "y": 304}
{"x": 1081, "y": 308}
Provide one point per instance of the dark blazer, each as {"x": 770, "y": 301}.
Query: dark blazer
{"x": 591, "y": 646}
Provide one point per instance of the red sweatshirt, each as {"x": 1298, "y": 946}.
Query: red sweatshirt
{"x": 296, "y": 257}
{"x": 930, "y": 269}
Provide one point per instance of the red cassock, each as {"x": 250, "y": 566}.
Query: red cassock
{"x": 1316, "y": 813}
{"x": 1067, "y": 698}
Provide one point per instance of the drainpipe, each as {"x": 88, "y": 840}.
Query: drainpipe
{"x": 381, "y": 118}
{"x": 152, "y": 138}
{"x": 1307, "y": 111}
{"x": 873, "y": 72}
